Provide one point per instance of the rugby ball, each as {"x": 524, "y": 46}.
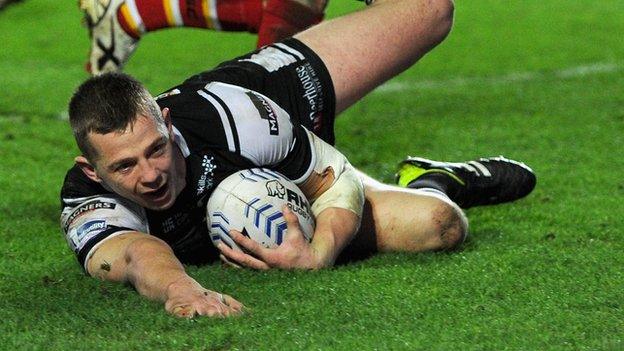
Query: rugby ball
{"x": 251, "y": 202}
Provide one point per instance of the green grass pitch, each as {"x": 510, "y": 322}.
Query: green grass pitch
{"x": 539, "y": 81}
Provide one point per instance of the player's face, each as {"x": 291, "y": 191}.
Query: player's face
{"x": 141, "y": 164}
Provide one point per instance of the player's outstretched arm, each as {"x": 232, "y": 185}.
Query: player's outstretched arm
{"x": 149, "y": 264}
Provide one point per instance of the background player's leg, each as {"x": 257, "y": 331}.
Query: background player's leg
{"x": 273, "y": 20}
{"x": 138, "y": 17}
{"x": 364, "y": 49}
{"x": 115, "y": 26}
{"x": 283, "y": 18}
{"x": 410, "y": 220}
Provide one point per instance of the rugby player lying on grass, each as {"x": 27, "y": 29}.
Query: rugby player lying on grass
{"x": 134, "y": 203}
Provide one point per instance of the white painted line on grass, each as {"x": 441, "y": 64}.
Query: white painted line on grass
{"x": 580, "y": 71}
{"x": 513, "y": 77}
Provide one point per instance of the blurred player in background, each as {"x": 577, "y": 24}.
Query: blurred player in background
{"x": 115, "y": 26}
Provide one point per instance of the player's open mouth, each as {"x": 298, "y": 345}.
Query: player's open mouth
{"x": 158, "y": 194}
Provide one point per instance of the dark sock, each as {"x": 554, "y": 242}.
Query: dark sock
{"x": 438, "y": 181}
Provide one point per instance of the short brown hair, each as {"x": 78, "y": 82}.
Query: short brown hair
{"x": 105, "y": 104}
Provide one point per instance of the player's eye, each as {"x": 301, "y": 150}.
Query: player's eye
{"x": 123, "y": 168}
{"x": 159, "y": 149}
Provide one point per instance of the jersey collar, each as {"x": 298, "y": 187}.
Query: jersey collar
{"x": 179, "y": 140}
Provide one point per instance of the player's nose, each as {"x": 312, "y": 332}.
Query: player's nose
{"x": 151, "y": 176}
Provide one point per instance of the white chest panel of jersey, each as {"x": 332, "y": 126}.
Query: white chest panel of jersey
{"x": 263, "y": 129}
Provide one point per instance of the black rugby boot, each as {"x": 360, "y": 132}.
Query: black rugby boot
{"x": 486, "y": 181}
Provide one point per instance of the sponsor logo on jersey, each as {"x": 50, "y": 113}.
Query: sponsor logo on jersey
{"x": 90, "y": 226}
{"x": 88, "y": 207}
{"x": 266, "y": 111}
{"x": 275, "y": 189}
{"x": 206, "y": 180}
{"x": 312, "y": 93}
{"x": 88, "y": 229}
{"x": 85, "y": 232}
{"x": 271, "y": 58}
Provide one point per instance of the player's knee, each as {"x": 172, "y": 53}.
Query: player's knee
{"x": 449, "y": 225}
{"x": 442, "y": 12}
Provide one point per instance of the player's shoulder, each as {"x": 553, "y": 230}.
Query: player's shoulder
{"x": 193, "y": 115}
{"x": 226, "y": 116}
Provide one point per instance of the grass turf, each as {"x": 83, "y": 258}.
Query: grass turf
{"x": 537, "y": 81}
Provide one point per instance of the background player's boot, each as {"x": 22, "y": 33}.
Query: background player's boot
{"x": 486, "y": 181}
{"x": 111, "y": 46}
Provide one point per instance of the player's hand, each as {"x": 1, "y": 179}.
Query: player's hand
{"x": 188, "y": 299}
{"x": 294, "y": 252}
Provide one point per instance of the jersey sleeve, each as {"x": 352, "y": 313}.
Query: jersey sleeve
{"x": 89, "y": 221}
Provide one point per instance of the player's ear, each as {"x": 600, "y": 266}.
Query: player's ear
{"x": 167, "y": 119}
{"x": 87, "y": 168}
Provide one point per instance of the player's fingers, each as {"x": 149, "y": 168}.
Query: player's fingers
{"x": 291, "y": 218}
{"x": 212, "y": 306}
{"x": 242, "y": 258}
{"x": 222, "y": 306}
{"x": 252, "y": 246}
{"x": 227, "y": 251}
{"x": 227, "y": 311}
{"x": 211, "y": 311}
{"x": 253, "y": 262}
{"x": 184, "y": 311}
{"x": 248, "y": 243}
{"x": 228, "y": 306}
{"x": 295, "y": 234}
{"x": 221, "y": 309}
{"x": 235, "y": 306}
{"x": 228, "y": 262}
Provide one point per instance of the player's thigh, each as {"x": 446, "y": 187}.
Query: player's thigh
{"x": 364, "y": 49}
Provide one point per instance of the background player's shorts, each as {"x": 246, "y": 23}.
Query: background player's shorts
{"x": 289, "y": 73}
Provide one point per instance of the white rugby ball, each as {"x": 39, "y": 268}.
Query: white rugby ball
{"x": 251, "y": 202}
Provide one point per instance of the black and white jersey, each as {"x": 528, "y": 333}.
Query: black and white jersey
{"x": 248, "y": 112}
